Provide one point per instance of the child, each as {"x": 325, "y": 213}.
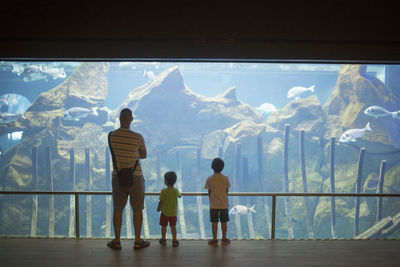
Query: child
{"x": 218, "y": 186}
{"x": 168, "y": 206}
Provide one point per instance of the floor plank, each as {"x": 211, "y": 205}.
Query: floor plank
{"x": 94, "y": 252}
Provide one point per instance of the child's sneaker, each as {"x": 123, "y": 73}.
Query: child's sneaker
{"x": 225, "y": 241}
{"x": 213, "y": 242}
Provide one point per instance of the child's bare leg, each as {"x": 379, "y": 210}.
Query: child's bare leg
{"x": 163, "y": 231}
{"x": 223, "y": 229}
{"x": 214, "y": 230}
{"x": 173, "y": 231}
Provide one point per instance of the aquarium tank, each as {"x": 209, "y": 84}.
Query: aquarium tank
{"x": 279, "y": 127}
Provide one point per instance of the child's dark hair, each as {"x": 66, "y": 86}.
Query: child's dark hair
{"x": 217, "y": 165}
{"x": 170, "y": 177}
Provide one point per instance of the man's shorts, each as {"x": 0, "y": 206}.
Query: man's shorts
{"x": 135, "y": 192}
{"x": 165, "y": 219}
{"x": 221, "y": 215}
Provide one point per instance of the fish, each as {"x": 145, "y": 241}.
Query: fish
{"x": 1, "y": 151}
{"x": 35, "y": 76}
{"x": 149, "y": 75}
{"x": 297, "y": 90}
{"x": 266, "y": 108}
{"x": 77, "y": 113}
{"x": 7, "y": 117}
{"x": 352, "y": 134}
{"x": 17, "y": 69}
{"x": 241, "y": 210}
{"x": 376, "y": 111}
{"x": 55, "y": 73}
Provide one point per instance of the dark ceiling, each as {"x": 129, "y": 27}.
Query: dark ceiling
{"x": 303, "y": 30}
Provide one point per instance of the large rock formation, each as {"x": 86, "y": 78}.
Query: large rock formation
{"x": 170, "y": 114}
{"x": 355, "y": 91}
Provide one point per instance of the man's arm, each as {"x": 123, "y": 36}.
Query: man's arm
{"x": 142, "y": 153}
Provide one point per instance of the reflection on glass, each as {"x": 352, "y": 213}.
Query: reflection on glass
{"x": 55, "y": 117}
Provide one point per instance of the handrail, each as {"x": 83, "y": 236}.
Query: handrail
{"x": 267, "y": 194}
{"x": 273, "y": 195}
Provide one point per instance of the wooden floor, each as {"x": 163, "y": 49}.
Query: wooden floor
{"x": 94, "y": 252}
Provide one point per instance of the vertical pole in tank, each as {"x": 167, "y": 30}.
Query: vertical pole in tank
{"x": 332, "y": 178}
{"x": 379, "y": 190}
{"x": 305, "y": 189}
{"x": 358, "y": 190}
{"x": 261, "y": 180}
{"x": 71, "y": 229}
{"x": 220, "y": 152}
{"x": 108, "y": 188}
{"x": 248, "y": 202}
{"x": 199, "y": 198}
{"x": 51, "y": 202}
{"x": 88, "y": 197}
{"x": 160, "y": 180}
{"x": 235, "y": 186}
{"x": 35, "y": 187}
{"x": 286, "y": 182}
{"x": 181, "y": 210}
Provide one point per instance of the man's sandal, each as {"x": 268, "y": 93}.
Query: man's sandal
{"x": 175, "y": 243}
{"x": 141, "y": 244}
{"x": 162, "y": 241}
{"x": 114, "y": 244}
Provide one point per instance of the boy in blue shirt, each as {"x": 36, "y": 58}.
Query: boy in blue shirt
{"x": 218, "y": 187}
{"x": 168, "y": 206}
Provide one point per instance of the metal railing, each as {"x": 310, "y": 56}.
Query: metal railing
{"x": 273, "y": 195}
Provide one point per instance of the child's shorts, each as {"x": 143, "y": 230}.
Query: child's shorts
{"x": 165, "y": 219}
{"x": 221, "y": 215}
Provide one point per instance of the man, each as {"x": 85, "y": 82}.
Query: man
{"x": 127, "y": 148}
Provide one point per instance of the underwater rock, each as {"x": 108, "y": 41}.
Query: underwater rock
{"x": 44, "y": 127}
{"x": 355, "y": 91}
{"x": 302, "y": 114}
{"x": 171, "y": 114}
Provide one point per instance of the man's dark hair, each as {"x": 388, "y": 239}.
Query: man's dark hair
{"x": 125, "y": 115}
{"x": 217, "y": 165}
{"x": 170, "y": 177}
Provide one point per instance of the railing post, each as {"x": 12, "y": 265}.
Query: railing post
{"x": 181, "y": 212}
{"x": 88, "y": 197}
{"x": 71, "y": 198}
{"x": 35, "y": 186}
{"x": 379, "y": 190}
{"x": 236, "y": 175}
{"x": 77, "y": 234}
{"x": 261, "y": 179}
{"x": 309, "y": 219}
{"x": 108, "y": 198}
{"x": 273, "y": 217}
{"x": 332, "y": 178}
{"x": 51, "y": 202}
{"x": 358, "y": 190}
{"x": 286, "y": 181}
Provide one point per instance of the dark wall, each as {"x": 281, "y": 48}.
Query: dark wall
{"x": 274, "y": 30}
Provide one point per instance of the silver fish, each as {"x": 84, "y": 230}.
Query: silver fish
{"x": 7, "y": 117}
{"x": 55, "y": 73}
{"x": 376, "y": 111}
{"x": 297, "y": 90}
{"x": 17, "y": 69}
{"x": 77, "y": 113}
{"x": 241, "y": 210}
{"x": 352, "y": 134}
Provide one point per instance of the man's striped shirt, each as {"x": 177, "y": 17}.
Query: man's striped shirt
{"x": 126, "y": 145}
